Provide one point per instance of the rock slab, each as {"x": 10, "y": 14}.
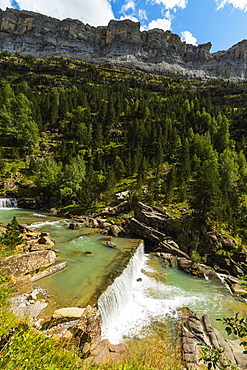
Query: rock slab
{"x": 22, "y": 264}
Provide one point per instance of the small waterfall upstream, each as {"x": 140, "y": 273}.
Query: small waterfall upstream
{"x": 8, "y": 203}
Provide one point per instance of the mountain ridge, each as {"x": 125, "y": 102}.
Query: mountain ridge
{"x": 120, "y": 43}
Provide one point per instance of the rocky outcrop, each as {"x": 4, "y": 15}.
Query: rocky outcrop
{"x": 36, "y": 241}
{"x": 105, "y": 352}
{"x": 146, "y": 232}
{"x": 82, "y": 328}
{"x": 190, "y": 267}
{"x": 22, "y": 264}
{"x": 38, "y": 253}
{"x": 150, "y": 223}
{"x": 197, "y": 332}
{"x": 120, "y": 43}
{"x": 169, "y": 246}
{"x": 154, "y": 217}
{"x": 66, "y": 314}
{"x": 110, "y": 220}
{"x": 226, "y": 264}
{"x": 236, "y": 285}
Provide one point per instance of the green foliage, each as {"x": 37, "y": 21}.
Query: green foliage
{"x": 72, "y": 177}
{"x": 215, "y": 358}
{"x": 195, "y": 256}
{"x": 63, "y": 117}
{"x": 237, "y": 326}
{"x": 31, "y": 350}
{"x": 10, "y": 238}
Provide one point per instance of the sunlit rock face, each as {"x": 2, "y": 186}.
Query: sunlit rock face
{"x": 121, "y": 43}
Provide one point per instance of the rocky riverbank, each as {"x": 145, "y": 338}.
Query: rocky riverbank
{"x": 171, "y": 238}
{"x": 34, "y": 259}
{"x": 81, "y": 326}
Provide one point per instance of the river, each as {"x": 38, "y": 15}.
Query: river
{"x": 145, "y": 292}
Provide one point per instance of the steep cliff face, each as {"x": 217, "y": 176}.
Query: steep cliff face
{"x": 121, "y": 43}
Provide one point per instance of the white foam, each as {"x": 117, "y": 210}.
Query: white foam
{"x": 47, "y": 223}
{"x": 135, "y": 299}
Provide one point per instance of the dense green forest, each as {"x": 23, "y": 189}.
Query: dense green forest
{"x": 75, "y": 133}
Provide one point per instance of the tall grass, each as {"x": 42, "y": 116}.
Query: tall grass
{"x": 156, "y": 350}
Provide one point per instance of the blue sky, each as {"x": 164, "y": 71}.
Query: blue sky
{"x": 222, "y": 22}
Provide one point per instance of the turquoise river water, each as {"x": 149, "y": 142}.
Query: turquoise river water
{"x": 145, "y": 291}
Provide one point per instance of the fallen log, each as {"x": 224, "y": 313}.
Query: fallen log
{"x": 26, "y": 228}
{"x": 49, "y": 271}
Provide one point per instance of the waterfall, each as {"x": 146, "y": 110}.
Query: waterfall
{"x": 135, "y": 298}
{"x": 119, "y": 298}
{"x": 8, "y": 203}
{"x": 138, "y": 299}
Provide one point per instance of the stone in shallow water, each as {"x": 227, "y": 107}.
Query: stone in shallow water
{"x": 76, "y": 254}
{"x": 67, "y": 313}
{"x": 88, "y": 253}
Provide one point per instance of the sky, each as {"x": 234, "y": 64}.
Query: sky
{"x": 221, "y": 22}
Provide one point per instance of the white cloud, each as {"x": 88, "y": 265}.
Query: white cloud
{"x": 130, "y": 5}
{"x": 188, "y": 38}
{"x": 164, "y": 24}
{"x": 4, "y": 4}
{"x": 94, "y": 12}
{"x": 142, "y": 14}
{"x": 170, "y": 4}
{"x": 131, "y": 17}
{"x": 239, "y": 4}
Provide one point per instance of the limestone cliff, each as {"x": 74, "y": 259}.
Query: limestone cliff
{"x": 121, "y": 43}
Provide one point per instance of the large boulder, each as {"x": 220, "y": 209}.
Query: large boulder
{"x": 169, "y": 246}
{"x": 190, "y": 267}
{"x": 74, "y": 226}
{"x": 66, "y": 314}
{"x": 115, "y": 230}
{"x": 145, "y": 231}
{"x": 47, "y": 240}
{"x": 88, "y": 328}
{"x": 22, "y": 264}
{"x": 154, "y": 217}
{"x": 103, "y": 352}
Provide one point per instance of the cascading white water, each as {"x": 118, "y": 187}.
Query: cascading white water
{"x": 118, "y": 296}
{"x": 8, "y": 203}
{"x": 127, "y": 306}
{"x": 137, "y": 299}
